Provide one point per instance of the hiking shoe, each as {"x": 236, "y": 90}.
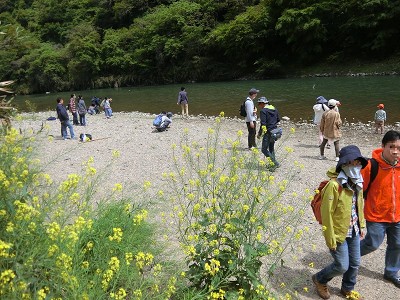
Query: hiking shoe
{"x": 336, "y": 159}
{"x": 352, "y": 295}
{"x": 394, "y": 280}
{"x": 321, "y": 157}
{"x": 322, "y": 289}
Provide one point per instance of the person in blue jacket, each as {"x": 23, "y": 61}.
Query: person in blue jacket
{"x": 63, "y": 116}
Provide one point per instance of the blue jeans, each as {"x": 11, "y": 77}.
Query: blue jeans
{"x": 64, "y": 125}
{"x": 374, "y": 238}
{"x": 82, "y": 119}
{"x": 108, "y": 112}
{"x": 268, "y": 147}
{"x": 346, "y": 262}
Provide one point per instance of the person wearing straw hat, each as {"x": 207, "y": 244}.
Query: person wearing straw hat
{"x": 380, "y": 118}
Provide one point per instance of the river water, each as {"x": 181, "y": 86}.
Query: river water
{"x": 293, "y": 98}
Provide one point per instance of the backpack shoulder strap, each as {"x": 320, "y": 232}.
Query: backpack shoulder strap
{"x": 374, "y": 172}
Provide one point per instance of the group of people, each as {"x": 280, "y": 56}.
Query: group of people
{"x": 327, "y": 118}
{"x": 359, "y": 198}
{"x": 269, "y": 119}
{"x": 77, "y": 107}
{"x": 353, "y": 224}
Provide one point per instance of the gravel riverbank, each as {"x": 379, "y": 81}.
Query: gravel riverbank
{"x": 145, "y": 154}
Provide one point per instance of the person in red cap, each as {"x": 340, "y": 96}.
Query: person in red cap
{"x": 380, "y": 118}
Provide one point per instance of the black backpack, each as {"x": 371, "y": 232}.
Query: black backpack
{"x": 242, "y": 110}
{"x": 374, "y": 172}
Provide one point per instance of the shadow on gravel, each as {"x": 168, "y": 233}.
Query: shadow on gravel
{"x": 307, "y": 146}
{"x": 368, "y": 273}
{"x": 298, "y": 281}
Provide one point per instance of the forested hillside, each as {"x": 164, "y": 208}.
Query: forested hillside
{"x": 49, "y": 45}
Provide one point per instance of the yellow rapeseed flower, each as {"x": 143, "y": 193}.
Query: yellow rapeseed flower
{"x": 116, "y": 153}
{"x": 117, "y": 187}
{"x": 119, "y": 295}
{"x": 117, "y": 235}
{"x": 4, "y": 249}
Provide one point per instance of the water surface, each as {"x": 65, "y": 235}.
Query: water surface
{"x": 292, "y": 97}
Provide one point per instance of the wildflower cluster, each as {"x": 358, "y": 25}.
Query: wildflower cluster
{"x": 53, "y": 245}
{"x": 230, "y": 214}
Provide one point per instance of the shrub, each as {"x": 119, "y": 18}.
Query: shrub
{"x": 55, "y": 243}
{"x": 234, "y": 219}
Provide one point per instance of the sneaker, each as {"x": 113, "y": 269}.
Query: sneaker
{"x": 321, "y": 157}
{"x": 322, "y": 289}
{"x": 394, "y": 280}
{"x": 352, "y": 295}
{"x": 336, "y": 159}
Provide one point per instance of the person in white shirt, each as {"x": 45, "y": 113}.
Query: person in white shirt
{"x": 251, "y": 117}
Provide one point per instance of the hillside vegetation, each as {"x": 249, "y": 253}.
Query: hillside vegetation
{"x": 50, "y": 45}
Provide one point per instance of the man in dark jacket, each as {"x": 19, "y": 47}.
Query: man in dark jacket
{"x": 62, "y": 115}
{"x": 269, "y": 119}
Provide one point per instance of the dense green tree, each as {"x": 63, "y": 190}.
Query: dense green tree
{"x": 46, "y": 69}
{"x": 15, "y": 42}
{"x": 87, "y": 43}
{"x": 371, "y": 27}
{"x": 162, "y": 41}
{"x": 83, "y": 51}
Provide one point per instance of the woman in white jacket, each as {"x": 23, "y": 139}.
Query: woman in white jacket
{"x": 319, "y": 108}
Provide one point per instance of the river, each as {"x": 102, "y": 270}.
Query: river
{"x": 293, "y": 98}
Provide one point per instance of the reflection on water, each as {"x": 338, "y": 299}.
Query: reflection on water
{"x": 292, "y": 97}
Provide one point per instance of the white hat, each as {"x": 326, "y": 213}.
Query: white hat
{"x": 332, "y": 103}
{"x": 263, "y": 100}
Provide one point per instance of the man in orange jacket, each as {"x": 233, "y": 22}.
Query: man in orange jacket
{"x": 382, "y": 205}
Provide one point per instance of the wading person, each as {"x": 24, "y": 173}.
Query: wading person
{"x": 343, "y": 222}
{"x": 251, "y": 117}
{"x": 183, "y": 101}
{"x": 62, "y": 115}
{"x": 382, "y": 205}
{"x": 269, "y": 119}
{"x": 330, "y": 128}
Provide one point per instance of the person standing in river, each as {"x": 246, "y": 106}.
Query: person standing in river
{"x": 183, "y": 102}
